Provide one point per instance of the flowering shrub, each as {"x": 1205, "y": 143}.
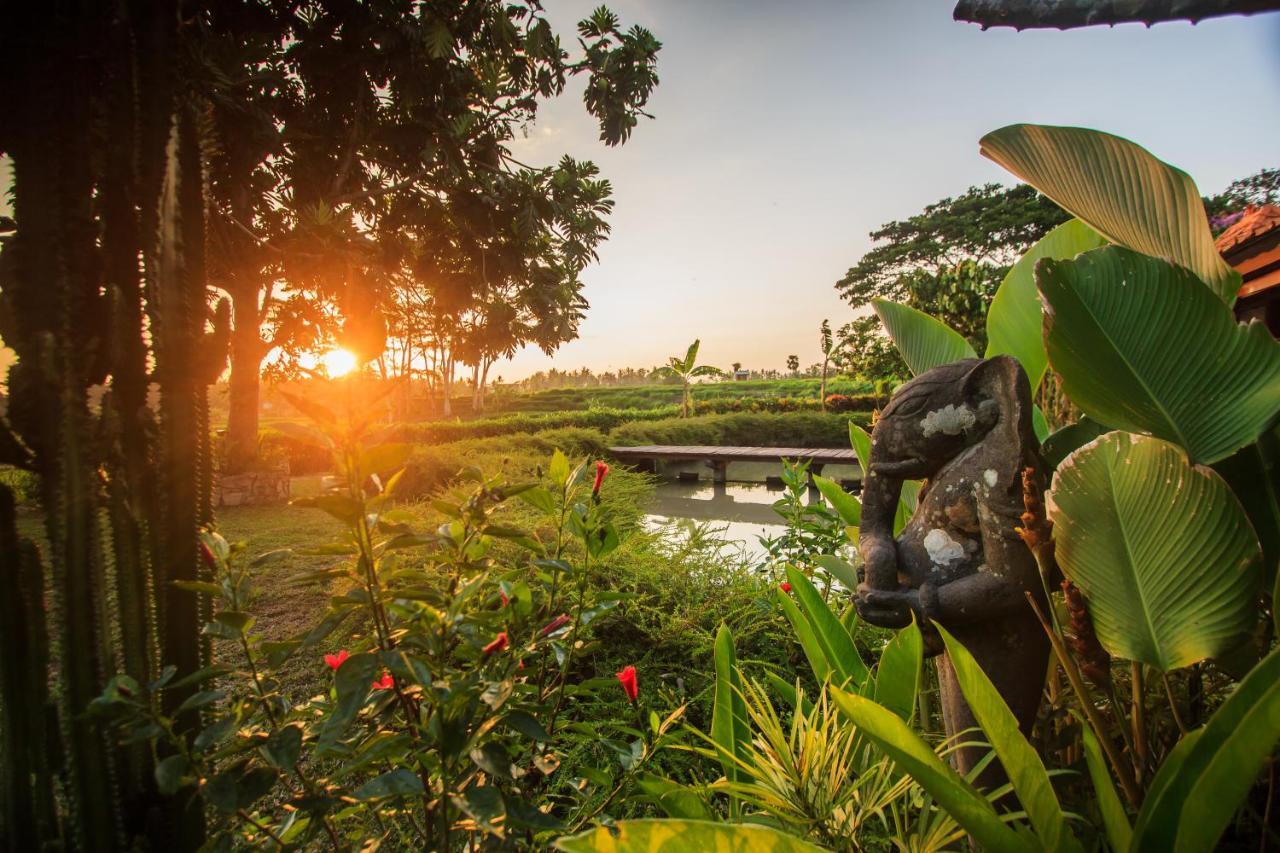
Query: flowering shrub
{"x": 448, "y": 710}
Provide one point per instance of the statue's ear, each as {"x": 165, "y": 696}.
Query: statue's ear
{"x": 999, "y": 391}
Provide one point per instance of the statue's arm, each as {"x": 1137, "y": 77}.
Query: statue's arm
{"x": 1000, "y": 585}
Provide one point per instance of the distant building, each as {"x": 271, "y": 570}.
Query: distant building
{"x": 741, "y": 373}
{"x": 1252, "y": 247}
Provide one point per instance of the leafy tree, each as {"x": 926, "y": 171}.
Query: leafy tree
{"x": 1225, "y": 208}
{"x": 988, "y": 224}
{"x": 864, "y": 351}
{"x": 686, "y": 369}
{"x": 355, "y": 144}
{"x": 958, "y": 295}
{"x": 793, "y": 364}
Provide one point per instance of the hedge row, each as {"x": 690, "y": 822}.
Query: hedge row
{"x": 764, "y": 429}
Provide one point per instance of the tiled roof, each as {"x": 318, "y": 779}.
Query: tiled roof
{"x": 1255, "y": 222}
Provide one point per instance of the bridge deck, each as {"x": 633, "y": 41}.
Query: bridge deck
{"x": 817, "y": 455}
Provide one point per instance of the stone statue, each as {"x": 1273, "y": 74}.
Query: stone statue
{"x": 964, "y": 428}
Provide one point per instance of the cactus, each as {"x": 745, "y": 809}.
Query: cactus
{"x": 109, "y": 215}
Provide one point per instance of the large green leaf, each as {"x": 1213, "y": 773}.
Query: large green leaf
{"x": 1192, "y": 807}
{"x": 1161, "y": 549}
{"x": 670, "y": 836}
{"x": 1120, "y": 190}
{"x": 729, "y": 727}
{"x": 1114, "y": 818}
{"x": 1142, "y": 346}
{"x": 842, "y": 502}
{"x": 1019, "y": 758}
{"x": 836, "y": 643}
{"x": 898, "y": 673}
{"x": 925, "y": 342}
{"x": 1014, "y": 320}
{"x": 1063, "y": 442}
{"x": 956, "y": 796}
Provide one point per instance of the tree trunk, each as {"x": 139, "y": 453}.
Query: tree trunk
{"x": 446, "y": 387}
{"x": 822, "y": 392}
{"x": 484, "y": 380}
{"x": 246, "y": 363}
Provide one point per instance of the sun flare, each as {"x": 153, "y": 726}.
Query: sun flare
{"x": 338, "y": 362}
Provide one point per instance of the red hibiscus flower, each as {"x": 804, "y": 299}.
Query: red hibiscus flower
{"x": 554, "y": 625}
{"x": 601, "y": 471}
{"x": 498, "y": 644}
{"x": 386, "y": 682}
{"x": 335, "y": 661}
{"x": 627, "y": 678}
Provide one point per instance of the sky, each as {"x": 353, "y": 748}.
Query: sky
{"x": 785, "y": 132}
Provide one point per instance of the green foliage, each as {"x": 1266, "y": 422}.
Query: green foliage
{"x": 812, "y": 527}
{"x": 1114, "y": 313}
{"x": 686, "y": 370}
{"x": 1168, "y": 587}
{"x": 924, "y": 341}
{"x": 485, "y": 650}
{"x": 798, "y": 429}
{"x": 988, "y": 224}
{"x": 644, "y": 836}
{"x": 1119, "y": 190}
{"x": 1015, "y": 321}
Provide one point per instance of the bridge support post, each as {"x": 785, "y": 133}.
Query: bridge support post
{"x": 719, "y": 470}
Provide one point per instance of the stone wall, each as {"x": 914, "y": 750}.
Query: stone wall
{"x": 252, "y": 487}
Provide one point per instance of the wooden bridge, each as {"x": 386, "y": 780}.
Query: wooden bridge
{"x": 718, "y": 458}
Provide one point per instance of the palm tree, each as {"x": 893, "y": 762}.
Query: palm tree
{"x": 684, "y": 369}
{"x": 793, "y": 364}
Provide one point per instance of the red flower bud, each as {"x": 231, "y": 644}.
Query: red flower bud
{"x": 785, "y": 586}
{"x": 498, "y": 644}
{"x": 601, "y": 471}
{"x": 386, "y": 682}
{"x": 335, "y": 661}
{"x": 554, "y": 625}
{"x": 505, "y": 599}
{"x": 627, "y": 678}
{"x": 206, "y": 554}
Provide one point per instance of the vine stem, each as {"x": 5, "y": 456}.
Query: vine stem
{"x": 1173, "y": 704}
{"x": 1121, "y": 767}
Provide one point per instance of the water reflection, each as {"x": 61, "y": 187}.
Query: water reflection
{"x": 737, "y": 513}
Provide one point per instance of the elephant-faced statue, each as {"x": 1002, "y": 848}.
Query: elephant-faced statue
{"x": 965, "y": 429}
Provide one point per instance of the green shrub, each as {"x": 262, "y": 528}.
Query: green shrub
{"x": 432, "y": 467}
{"x": 795, "y": 429}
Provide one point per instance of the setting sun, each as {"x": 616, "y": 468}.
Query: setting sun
{"x": 338, "y": 362}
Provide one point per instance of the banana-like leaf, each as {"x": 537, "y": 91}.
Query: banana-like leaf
{"x": 898, "y": 673}
{"x": 956, "y": 796}
{"x": 729, "y": 727}
{"x": 1192, "y": 807}
{"x": 1121, "y": 191}
{"x": 691, "y": 357}
{"x": 1019, "y": 758}
{"x": 1114, "y": 818}
{"x": 1014, "y": 320}
{"x": 835, "y": 642}
{"x": 1254, "y": 475}
{"x": 650, "y": 835}
{"x": 1063, "y": 442}
{"x": 1160, "y": 548}
{"x": 845, "y": 504}
{"x": 839, "y": 569}
{"x": 1143, "y": 346}
{"x": 925, "y": 342}
{"x": 813, "y": 650}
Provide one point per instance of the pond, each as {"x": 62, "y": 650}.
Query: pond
{"x": 737, "y": 513}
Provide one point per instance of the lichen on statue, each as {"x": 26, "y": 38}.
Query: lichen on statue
{"x": 965, "y": 429}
